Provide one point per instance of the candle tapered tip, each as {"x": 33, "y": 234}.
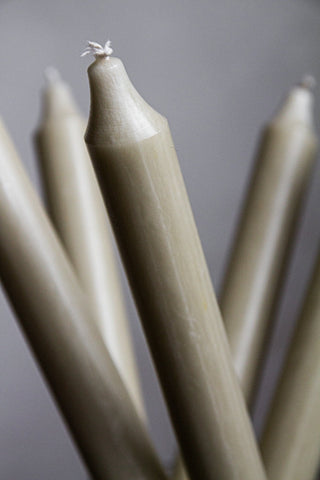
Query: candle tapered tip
{"x": 97, "y": 50}
{"x": 52, "y": 76}
{"x": 57, "y": 99}
{"x": 308, "y": 82}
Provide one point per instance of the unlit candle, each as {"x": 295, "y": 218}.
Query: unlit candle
{"x": 135, "y": 160}
{"x": 77, "y": 210}
{"x": 260, "y": 249}
{"x": 291, "y": 441}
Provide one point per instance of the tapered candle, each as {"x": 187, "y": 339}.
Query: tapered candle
{"x": 77, "y": 210}
{"x": 56, "y": 319}
{"x": 259, "y": 252}
{"x": 136, "y": 164}
{"x": 291, "y": 441}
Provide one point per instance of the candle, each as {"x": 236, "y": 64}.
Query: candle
{"x": 259, "y": 252}
{"x": 56, "y": 319}
{"x": 138, "y": 171}
{"x": 179, "y": 471}
{"x": 291, "y": 441}
{"x": 77, "y": 210}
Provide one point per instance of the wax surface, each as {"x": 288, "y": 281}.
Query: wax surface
{"x": 77, "y": 210}
{"x": 136, "y": 164}
{"x": 179, "y": 471}
{"x": 291, "y": 441}
{"x": 57, "y": 321}
{"x": 265, "y": 233}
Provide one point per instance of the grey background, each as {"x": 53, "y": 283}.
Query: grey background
{"x": 217, "y": 70}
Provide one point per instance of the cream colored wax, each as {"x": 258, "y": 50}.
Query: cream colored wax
{"x": 55, "y": 317}
{"x": 77, "y": 210}
{"x": 179, "y": 471}
{"x": 259, "y": 252}
{"x": 136, "y": 163}
{"x": 291, "y": 441}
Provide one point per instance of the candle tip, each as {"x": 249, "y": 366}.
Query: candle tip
{"x": 52, "y": 76}
{"x": 308, "y": 82}
{"x": 98, "y": 50}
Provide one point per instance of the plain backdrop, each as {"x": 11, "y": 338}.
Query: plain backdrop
{"x": 217, "y": 70}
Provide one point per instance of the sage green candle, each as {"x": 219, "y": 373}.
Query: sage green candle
{"x": 291, "y": 440}
{"x": 179, "y": 471}
{"x": 260, "y": 250}
{"x": 55, "y": 316}
{"x": 139, "y": 174}
{"x": 77, "y": 211}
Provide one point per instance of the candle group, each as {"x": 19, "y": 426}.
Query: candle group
{"x": 64, "y": 287}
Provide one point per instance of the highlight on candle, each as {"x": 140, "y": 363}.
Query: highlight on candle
{"x": 76, "y": 208}
{"x": 266, "y": 231}
{"x": 52, "y": 76}
{"x": 132, "y": 152}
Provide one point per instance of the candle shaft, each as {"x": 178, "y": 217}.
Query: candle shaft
{"x": 291, "y": 440}
{"x": 135, "y": 160}
{"x": 77, "y": 210}
{"x": 56, "y": 319}
{"x": 265, "y": 233}
{"x": 179, "y": 472}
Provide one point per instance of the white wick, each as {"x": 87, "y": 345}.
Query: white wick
{"x": 308, "y": 82}
{"x": 52, "y": 76}
{"x": 98, "y": 50}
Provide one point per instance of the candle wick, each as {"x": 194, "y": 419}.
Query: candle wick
{"x": 98, "y": 50}
{"x": 308, "y": 82}
{"x": 52, "y": 76}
